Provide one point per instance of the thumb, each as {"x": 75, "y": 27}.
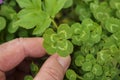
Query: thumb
{"x": 54, "y": 68}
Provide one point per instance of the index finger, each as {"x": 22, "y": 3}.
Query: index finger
{"x": 13, "y": 52}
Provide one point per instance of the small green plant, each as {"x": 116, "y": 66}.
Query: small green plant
{"x": 28, "y": 77}
{"x": 88, "y": 30}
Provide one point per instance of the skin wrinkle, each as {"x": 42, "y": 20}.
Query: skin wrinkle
{"x": 51, "y": 70}
{"x": 20, "y": 41}
{"x": 29, "y": 50}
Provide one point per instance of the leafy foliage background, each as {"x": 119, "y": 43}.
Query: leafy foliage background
{"x": 88, "y": 30}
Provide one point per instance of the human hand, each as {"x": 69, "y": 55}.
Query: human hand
{"x": 13, "y": 52}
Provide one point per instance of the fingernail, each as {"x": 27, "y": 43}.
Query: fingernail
{"x": 64, "y": 61}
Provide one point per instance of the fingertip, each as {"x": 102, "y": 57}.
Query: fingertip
{"x": 64, "y": 62}
{"x": 54, "y": 68}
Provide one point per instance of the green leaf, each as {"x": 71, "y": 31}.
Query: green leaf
{"x": 68, "y": 3}
{"x": 32, "y": 18}
{"x": 101, "y": 12}
{"x": 76, "y": 29}
{"x": 118, "y": 13}
{"x": 83, "y": 11}
{"x": 64, "y": 48}
{"x": 34, "y": 68}
{"x": 52, "y": 7}
{"x": 59, "y": 5}
{"x": 7, "y": 11}
{"x": 87, "y": 1}
{"x": 88, "y": 76}
{"x": 64, "y": 31}
{"x": 96, "y": 33}
{"x": 112, "y": 25}
{"x": 91, "y": 58}
{"x": 12, "y": 3}
{"x": 93, "y": 31}
{"x": 93, "y": 7}
{"x": 50, "y": 47}
{"x": 29, "y": 18}
{"x": 106, "y": 78}
{"x": 50, "y": 41}
{"x": 2, "y": 23}
{"x": 79, "y": 60}
{"x": 49, "y": 6}
{"x": 28, "y": 77}
{"x": 106, "y": 70}
{"x": 12, "y": 28}
{"x": 71, "y": 75}
{"x": 115, "y": 4}
{"x": 49, "y": 35}
{"x": 29, "y": 3}
{"x": 114, "y": 72}
{"x": 87, "y": 66}
{"x": 103, "y": 56}
{"x": 97, "y": 70}
{"x": 40, "y": 28}
{"x": 116, "y": 37}
{"x": 57, "y": 42}
{"x": 88, "y": 23}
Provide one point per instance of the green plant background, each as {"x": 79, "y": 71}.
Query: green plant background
{"x": 88, "y": 30}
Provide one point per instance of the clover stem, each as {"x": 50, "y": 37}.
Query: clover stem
{"x": 54, "y": 23}
{"x": 79, "y": 77}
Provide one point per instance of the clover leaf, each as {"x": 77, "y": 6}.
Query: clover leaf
{"x": 115, "y": 4}
{"x": 7, "y": 11}
{"x": 83, "y": 11}
{"x": 77, "y": 29}
{"x": 2, "y": 23}
{"x": 93, "y": 30}
{"x": 79, "y": 33}
{"x": 71, "y": 75}
{"x": 12, "y": 28}
{"x": 87, "y": 66}
{"x": 114, "y": 72}
{"x": 50, "y": 41}
{"x": 28, "y": 77}
{"x": 118, "y": 13}
{"x": 57, "y": 42}
{"x": 88, "y": 76}
{"x": 34, "y": 68}
{"x": 91, "y": 58}
{"x": 79, "y": 60}
{"x": 103, "y": 56}
{"x": 97, "y": 70}
{"x": 112, "y": 25}
{"x": 101, "y": 12}
{"x": 116, "y": 37}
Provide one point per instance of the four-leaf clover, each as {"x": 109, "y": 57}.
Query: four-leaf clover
{"x": 57, "y": 42}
